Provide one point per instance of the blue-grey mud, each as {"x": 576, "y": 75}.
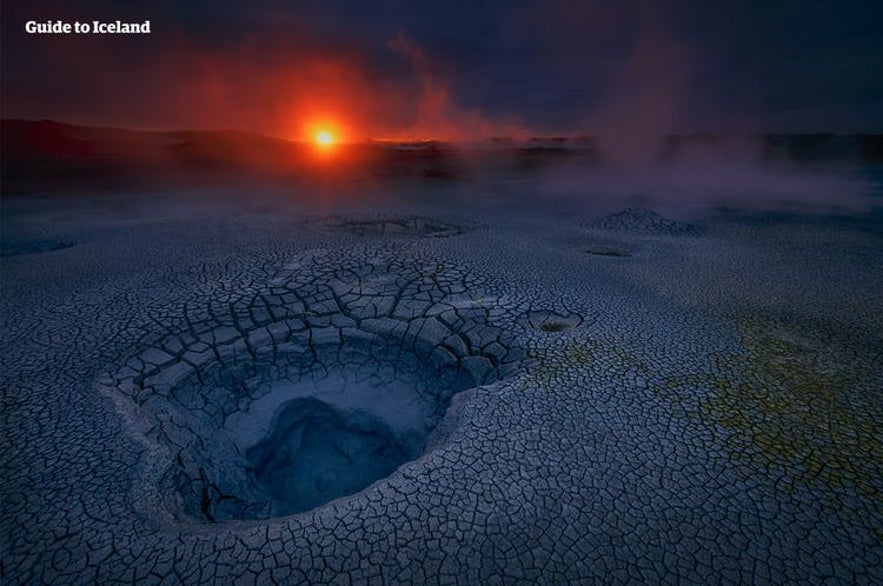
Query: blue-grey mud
{"x": 550, "y": 376}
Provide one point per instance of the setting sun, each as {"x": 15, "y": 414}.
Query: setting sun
{"x": 324, "y": 138}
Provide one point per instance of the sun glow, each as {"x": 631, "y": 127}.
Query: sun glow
{"x": 324, "y": 138}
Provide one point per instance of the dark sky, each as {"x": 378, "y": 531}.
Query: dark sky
{"x": 454, "y": 68}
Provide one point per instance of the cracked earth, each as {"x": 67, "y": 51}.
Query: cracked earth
{"x": 255, "y": 392}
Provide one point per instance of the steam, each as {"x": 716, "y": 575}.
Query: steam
{"x": 732, "y": 173}
{"x": 437, "y": 115}
{"x": 645, "y": 103}
{"x": 646, "y": 100}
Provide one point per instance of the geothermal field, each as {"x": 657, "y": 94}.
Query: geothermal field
{"x": 429, "y": 362}
{"x": 501, "y": 292}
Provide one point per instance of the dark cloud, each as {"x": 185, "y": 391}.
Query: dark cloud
{"x": 623, "y": 68}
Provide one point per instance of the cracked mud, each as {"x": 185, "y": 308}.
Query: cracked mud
{"x": 273, "y": 396}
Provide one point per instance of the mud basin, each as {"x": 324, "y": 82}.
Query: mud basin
{"x": 311, "y": 442}
{"x": 333, "y": 389}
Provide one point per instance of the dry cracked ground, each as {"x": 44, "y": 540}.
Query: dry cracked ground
{"x": 219, "y": 388}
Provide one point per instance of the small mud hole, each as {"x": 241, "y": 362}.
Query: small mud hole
{"x": 607, "y": 251}
{"x": 550, "y": 322}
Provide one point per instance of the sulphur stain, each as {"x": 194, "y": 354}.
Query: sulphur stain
{"x": 798, "y": 399}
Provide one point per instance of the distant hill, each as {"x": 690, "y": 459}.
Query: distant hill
{"x": 49, "y": 154}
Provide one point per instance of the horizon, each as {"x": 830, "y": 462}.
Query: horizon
{"x": 497, "y": 139}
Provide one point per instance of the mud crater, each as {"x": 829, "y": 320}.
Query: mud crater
{"x": 335, "y": 392}
{"x": 395, "y": 226}
{"x": 641, "y": 221}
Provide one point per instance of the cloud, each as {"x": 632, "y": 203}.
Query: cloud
{"x": 627, "y": 70}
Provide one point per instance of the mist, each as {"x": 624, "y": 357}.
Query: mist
{"x": 723, "y": 173}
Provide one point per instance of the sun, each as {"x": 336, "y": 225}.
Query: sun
{"x": 324, "y": 138}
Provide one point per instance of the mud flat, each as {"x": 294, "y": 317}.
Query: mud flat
{"x": 243, "y": 387}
